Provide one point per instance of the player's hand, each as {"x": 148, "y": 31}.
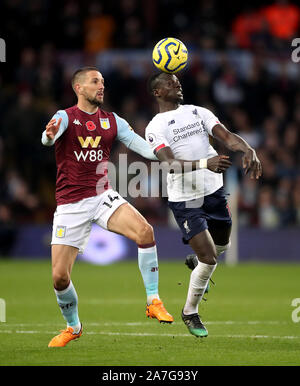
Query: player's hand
{"x": 252, "y": 164}
{"x": 52, "y": 128}
{"x": 219, "y": 163}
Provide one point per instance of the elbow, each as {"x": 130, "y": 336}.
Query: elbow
{"x": 46, "y": 143}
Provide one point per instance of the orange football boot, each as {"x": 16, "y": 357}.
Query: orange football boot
{"x": 64, "y": 337}
{"x": 158, "y": 311}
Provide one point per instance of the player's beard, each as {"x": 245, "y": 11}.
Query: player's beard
{"x": 180, "y": 100}
{"x": 177, "y": 100}
{"x": 94, "y": 102}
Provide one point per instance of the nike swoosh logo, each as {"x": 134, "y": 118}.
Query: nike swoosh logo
{"x": 176, "y": 52}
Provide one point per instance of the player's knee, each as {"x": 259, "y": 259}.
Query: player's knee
{"x": 145, "y": 234}
{"x": 61, "y": 280}
{"x": 209, "y": 258}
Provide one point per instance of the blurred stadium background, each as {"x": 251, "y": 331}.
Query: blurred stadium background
{"x": 240, "y": 67}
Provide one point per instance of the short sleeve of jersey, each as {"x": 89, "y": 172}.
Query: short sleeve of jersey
{"x": 210, "y": 120}
{"x": 64, "y": 122}
{"x": 155, "y": 134}
{"x": 125, "y": 134}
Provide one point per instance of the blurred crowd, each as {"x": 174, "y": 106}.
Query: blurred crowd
{"x": 262, "y": 104}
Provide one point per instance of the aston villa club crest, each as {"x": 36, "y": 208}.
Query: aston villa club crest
{"x": 60, "y": 231}
{"x": 104, "y": 122}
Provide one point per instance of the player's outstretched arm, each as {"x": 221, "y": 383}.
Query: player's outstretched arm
{"x": 235, "y": 143}
{"x": 49, "y": 134}
{"x": 132, "y": 140}
{"x": 52, "y": 128}
{"x": 55, "y": 128}
{"x": 140, "y": 146}
{"x": 217, "y": 164}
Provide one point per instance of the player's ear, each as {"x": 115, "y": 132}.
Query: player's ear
{"x": 77, "y": 88}
{"x": 156, "y": 92}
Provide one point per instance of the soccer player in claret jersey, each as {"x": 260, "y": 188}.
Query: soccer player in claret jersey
{"x": 83, "y": 136}
{"x": 179, "y": 136}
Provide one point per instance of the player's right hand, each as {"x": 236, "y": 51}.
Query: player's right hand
{"x": 219, "y": 163}
{"x": 52, "y": 128}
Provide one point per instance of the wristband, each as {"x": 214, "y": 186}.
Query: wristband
{"x": 203, "y": 163}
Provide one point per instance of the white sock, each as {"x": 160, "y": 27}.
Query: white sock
{"x": 198, "y": 282}
{"x": 76, "y": 328}
{"x": 150, "y": 298}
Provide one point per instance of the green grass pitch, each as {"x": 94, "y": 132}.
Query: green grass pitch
{"x": 248, "y": 315}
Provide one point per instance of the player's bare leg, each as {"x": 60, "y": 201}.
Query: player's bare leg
{"x": 63, "y": 258}
{"x": 221, "y": 238}
{"x": 127, "y": 221}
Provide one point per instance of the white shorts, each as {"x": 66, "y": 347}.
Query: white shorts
{"x": 72, "y": 222}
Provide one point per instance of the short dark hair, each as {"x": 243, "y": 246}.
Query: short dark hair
{"x": 153, "y": 81}
{"x": 81, "y": 71}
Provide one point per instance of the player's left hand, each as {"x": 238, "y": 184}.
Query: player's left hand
{"x": 219, "y": 163}
{"x": 252, "y": 164}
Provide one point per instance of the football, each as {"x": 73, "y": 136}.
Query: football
{"x": 170, "y": 55}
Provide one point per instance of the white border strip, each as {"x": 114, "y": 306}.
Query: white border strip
{"x": 133, "y": 324}
{"x": 143, "y": 334}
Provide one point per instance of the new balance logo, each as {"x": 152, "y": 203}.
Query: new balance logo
{"x": 171, "y": 122}
{"x": 195, "y": 112}
{"x": 76, "y": 122}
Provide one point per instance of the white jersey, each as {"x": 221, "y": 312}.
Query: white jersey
{"x": 186, "y": 131}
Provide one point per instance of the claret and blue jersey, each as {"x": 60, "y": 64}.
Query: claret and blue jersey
{"x": 124, "y": 132}
{"x": 83, "y": 141}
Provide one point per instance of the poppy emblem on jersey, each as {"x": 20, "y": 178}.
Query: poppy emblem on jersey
{"x": 90, "y": 125}
{"x": 104, "y": 122}
{"x": 60, "y": 231}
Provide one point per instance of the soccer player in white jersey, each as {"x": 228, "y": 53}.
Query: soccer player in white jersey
{"x": 83, "y": 136}
{"x": 179, "y": 136}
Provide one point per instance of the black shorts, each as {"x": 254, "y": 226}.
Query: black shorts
{"x": 212, "y": 211}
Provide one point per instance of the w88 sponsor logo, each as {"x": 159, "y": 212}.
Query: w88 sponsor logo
{"x": 89, "y": 155}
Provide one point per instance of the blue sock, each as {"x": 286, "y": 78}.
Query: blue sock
{"x": 68, "y": 302}
{"x": 148, "y": 264}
